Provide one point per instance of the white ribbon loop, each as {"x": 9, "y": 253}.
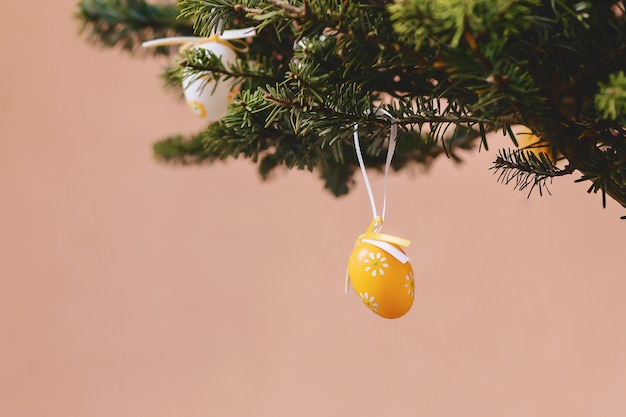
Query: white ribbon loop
{"x": 372, "y": 236}
{"x": 391, "y": 147}
{"x": 179, "y": 40}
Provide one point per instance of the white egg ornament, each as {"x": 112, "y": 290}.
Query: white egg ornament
{"x": 381, "y": 272}
{"x": 207, "y": 99}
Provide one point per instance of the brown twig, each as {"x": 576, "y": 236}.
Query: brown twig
{"x": 294, "y": 11}
{"x": 241, "y": 8}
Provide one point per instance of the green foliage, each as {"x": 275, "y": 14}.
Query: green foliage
{"x": 443, "y": 23}
{"x": 527, "y": 170}
{"x": 185, "y": 151}
{"x": 128, "y": 23}
{"x": 611, "y": 99}
{"x": 450, "y": 72}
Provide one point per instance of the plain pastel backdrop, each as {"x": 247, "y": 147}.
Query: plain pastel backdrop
{"x": 131, "y": 288}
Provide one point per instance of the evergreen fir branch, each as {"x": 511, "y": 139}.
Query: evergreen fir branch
{"x": 365, "y": 22}
{"x": 527, "y": 169}
{"x": 195, "y": 63}
{"x": 609, "y": 177}
{"x": 209, "y": 17}
{"x": 446, "y": 22}
{"x": 216, "y": 16}
{"x": 128, "y": 23}
{"x": 610, "y": 101}
{"x": 184, "y": 150}
{"x": 171, "y": 79}
{"x": 449, "y": 72}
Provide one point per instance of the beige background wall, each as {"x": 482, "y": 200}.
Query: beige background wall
{"x": 130, "y": 288}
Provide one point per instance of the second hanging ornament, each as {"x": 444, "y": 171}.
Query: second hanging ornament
{"x": 378, "y": 268}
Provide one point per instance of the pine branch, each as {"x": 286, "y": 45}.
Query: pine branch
{"x": 449, "y": 72}
{"x": 610, "y": 177}
{"x": 611, "y": 99}
{"x": 527, "y": 170}
{"x": 197, "y": 62}
{"x": 128, "y": 23}
{"x": 184, "y": 150}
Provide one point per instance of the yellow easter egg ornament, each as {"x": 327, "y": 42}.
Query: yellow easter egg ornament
{"x": 533, "y": 144}
{"x": 381, "y": 272}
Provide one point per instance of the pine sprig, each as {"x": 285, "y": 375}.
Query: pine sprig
{"x": 608, "y": 175}
{"x": 128, "y": 23}
{"x": 184, "y": 150}
{"x": 527, "y": 170}
{"x": 611, "y": 98}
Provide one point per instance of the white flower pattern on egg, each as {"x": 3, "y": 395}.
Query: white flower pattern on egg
{"x": 410, "y": 284}
{"x": 369, "y": 301}
{"x": 376, "y": 263}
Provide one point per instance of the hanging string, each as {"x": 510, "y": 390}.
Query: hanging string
{"x": 372, "y": 236}
{"x": 391, "y": 147}
{"x": 357, "y": 146}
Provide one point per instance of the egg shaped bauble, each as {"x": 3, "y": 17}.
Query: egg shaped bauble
{"x": 206, "y": 99}
{"x": 381, "y": 275}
